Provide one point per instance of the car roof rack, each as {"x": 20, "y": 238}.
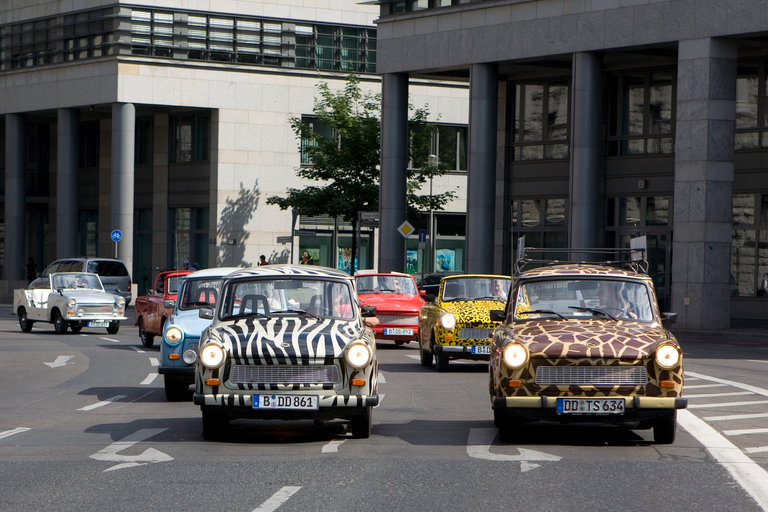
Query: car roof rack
{"x": 633, "y": 258}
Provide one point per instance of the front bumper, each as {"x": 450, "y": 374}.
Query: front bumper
{"x": 178, "y": 371}
{"x": 637, "y": 408}
{"x": 239, "y": 406}
{"x": 94, "y": 318}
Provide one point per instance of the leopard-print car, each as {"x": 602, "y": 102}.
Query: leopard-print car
{"x": 456, "y": 324}
{"x": 584, "y": 343}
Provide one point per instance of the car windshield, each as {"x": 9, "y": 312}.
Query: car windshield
{"x": 173, "y": 284}
{"x": 611, "y": 299}
{"x": 476, "y": 288}
{"x": 198, "y": 293}
{"x": 386, "y": 284}
{"x": 76, "y": 281}
{"x": 306, "y": 296}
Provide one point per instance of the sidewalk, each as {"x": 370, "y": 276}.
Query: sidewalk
{"x": 751, "y": 330}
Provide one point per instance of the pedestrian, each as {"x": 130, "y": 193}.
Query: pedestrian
{"x": 263, "y": 260}
{"x": 763, "y": 291}
{"x": 31, "y": 269}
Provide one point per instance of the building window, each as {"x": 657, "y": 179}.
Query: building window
{"x": 541, "y": 121}
{"x": 312, "y": 125}
{"x": 543, "y": 222}
{"x": 749, "y": 247}
{"x": 641, "y": 114}
{"x": 89, "y": 144}
{"x": 189, "y": 236}
{"x": 88, "y": 239}
{"x": 144, "y": 141}
{"x": 336, "y": 48}
{"x": 152, "y": 33}
{"x": 751, "y": 107}
{"x": 190, "y": 138}
{"x": 450, "y": 146}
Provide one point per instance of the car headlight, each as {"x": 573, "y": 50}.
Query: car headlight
{"x": 120, "y": 303}
{"x": 189, "y": 356}
{"x": 212, "y": 356}
{"x": 174, "y": 336}
{"x": 515, "y": 355}
{"x": 71, "y": 303}
{"x": 448, "y": 321}
{"x": 667, "y": 356}
{"x": 358, "y": 355}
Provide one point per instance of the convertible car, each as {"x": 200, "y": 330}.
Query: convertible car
{"x": 69, "y": 300}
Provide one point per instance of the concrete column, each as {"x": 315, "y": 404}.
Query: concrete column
{"x": 123, "y": 140}
{"x": 66, "y": 182}
{"x": 481, "y": 172}
{"x": 586, "y": 151}
{"x": 15, "y": 197}
{"x": 704, "y": 150}
{"x": 394, "y": 165}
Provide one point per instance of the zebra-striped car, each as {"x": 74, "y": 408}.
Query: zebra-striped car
{"x": 287, "y": 342}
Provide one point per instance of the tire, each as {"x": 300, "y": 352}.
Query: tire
{"x": 175, "y": 390}
{"x": 441, "y": 361}
{"x": 361, "y": 425}
{"x": 425, "y": 356}
{"x": 76, "y": 327}
{"x": 24, "y": 322}
{"x": 665, "y": 430}
{"x": 147, "y": 340}
{"x": 213, "y": 426}
{"x": 59, "y": 325}
{"x": 113, "y": 327}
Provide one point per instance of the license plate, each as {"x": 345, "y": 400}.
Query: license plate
{"x": 309, "y": 402}
{"x": 481, "y": 349}
{"x": 98, "y": 323}
{"x": 590, "y": 406}
{"x": 398, "y": 331}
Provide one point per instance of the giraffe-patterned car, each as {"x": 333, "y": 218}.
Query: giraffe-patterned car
{"x": 584, "y": 343}
{"x": 287, "y": 342}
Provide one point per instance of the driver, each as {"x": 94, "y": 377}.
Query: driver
{"x": 498, "y": 289}
{"x": 609, "y": 298}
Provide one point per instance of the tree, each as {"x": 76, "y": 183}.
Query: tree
{"x": 345, "y": 157}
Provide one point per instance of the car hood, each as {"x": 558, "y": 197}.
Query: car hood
{"x": 300, "y": 340}
{"x": 90, "y": 296}
{"x": 392, "y": 303}
{"x": 473, "y": 312}
{"x": 557, "y": 339}
{"x": 189, "y": 322}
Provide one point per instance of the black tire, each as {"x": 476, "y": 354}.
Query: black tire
{"x": 425, "y": 356}
{"x": 441, "y": 361}
{"x": 59, "y": 325}
{"x": 175, "y": 390}
{"x": 24, "y": 322}
{"x": 76, "y": 327}
{"x": 147, "y": 340}
{"x": 361, "y": 425}
{"x": 213, "y": 426}
{"x": 665, "y": 430}
{"x": 113, "y": 327}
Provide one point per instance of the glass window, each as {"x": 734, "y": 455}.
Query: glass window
{"x": 190, "y": 138}
{"x": 533, "y": 108}
{"x": 557, "y": 106}
{"x": 534, "y": 137}
{"x": 555, "y": 212}
{"x": 744, "y": 209}
{"x": 746, "y": 102}
{"x": 451, "y": 142}
{"x": 530, "y": 214}
{"x": 629, "y": 211}
{"x": 743, "y": 268}
{"x": 657, "y": 211}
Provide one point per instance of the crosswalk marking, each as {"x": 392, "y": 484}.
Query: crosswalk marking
{"x": 729, "y": 417}
{"x": 745, "y": 431}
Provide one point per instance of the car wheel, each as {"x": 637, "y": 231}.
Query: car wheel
{"x": 361, "y": 425}
{"x": 425, "y": 355}
{"x": 147, "y": 339}
{"x": 76, "y": 327}
{"x": 441, "y": 361}
{"x": 113, "y": 327}
{"x": 213, "y": 426}
{"x": 175, "y": 390}
{"x": 664, "y": 430}
{"x": 24, "y": 322}
{"x": 59, "y": 325}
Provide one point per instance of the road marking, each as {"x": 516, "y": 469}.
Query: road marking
{"x": 715, "y": 395}
{"x": 699, "y": 386}
{"x": 333, "y": 446}
{"x": 413, "y": 357}
{"x": 479, "y": 447}
{"x": 382, "y": 380}
{"x": 749, "y": 475}
{"x": 150, "y": 378}
{"x": 757, "y": 361}
{"x": 737, "y": 417}
{"x": 727, "y": 404}
{"x": 102, "y": 403}
{"x": 746, "y": 387}
{"x": 745, "y": 431}
{"x": 60, "y": 361}
{"x": 9, "y": 433}
{"x": 277, "y": 499}
{"x": 137, "y": 349}
{"x": 150, "y": 455}
{"x": 153, "y": 361}
{"x": 757, "y": 449}
{"x": 110, "y": 339}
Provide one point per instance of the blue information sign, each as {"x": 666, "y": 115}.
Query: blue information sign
{"x": 422, "y": 235}
{"x": 116, "y": 235}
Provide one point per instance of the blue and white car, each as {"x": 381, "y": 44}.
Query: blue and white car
{"x": 183, "y": 328}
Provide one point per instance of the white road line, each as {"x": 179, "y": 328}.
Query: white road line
{"x": 277, "y": 499}
{"x": 757, "y": 361}
{"x": 749, "y": 475}
{"x": 745, "y": 431}
{"x": 757, "y": 449}
{"x": 699, "y": 386}
{"x": 9, "y": 433}
{"x": 333, "y": 446}
{"x": 382, "y": 380}
{"x": 154, "y": 361}
{"x": 102, "y": 403}
{"x": 413, "y": 357}
{"x": 729, "y": 417}
{"x": 150, "y": 378}
{"x": 746, "y": 387}
{"x": 137, "y": 349}
{"x": 110, "y": 339}
{"x": 150, "y": 455}
{"x": 727, "y": 404}
{"x": 715, "y": 395}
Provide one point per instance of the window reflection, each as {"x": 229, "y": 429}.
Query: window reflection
{"x": 743, "y": 208}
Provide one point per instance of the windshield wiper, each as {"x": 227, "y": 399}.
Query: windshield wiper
{"x": 543, "y": 311}
{"x": 595, "y": 310}
{"x": 368, "y": 290}
{"x": 297, "y": 311}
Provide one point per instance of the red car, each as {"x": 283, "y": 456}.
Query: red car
{"x": 397, "y": 302}
{"x": 154, "y": 308}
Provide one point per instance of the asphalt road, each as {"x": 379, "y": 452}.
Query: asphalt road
{"x": 84, "y": 425}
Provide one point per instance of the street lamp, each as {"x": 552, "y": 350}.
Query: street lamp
{"x": 432, "y": 164}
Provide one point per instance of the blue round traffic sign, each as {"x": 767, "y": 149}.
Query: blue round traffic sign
{"x": 116, "y": 235}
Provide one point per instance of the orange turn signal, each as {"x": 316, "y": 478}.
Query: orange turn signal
{"x": 173, "y": 356}
{"x": 668, "y": 384}
{"x": 515, "y": 383}
{"x": 212, "y": 382}
{"x": 358, "y": 382}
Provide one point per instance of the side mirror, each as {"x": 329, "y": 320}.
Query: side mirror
{"x": 169, "y": 303}
{"x": 368, "y": 311}
{"x": 205, "y": 313}
{"x": 423, "y": 292}
{"x": 497, "y": 315}
{"x": 669, "y": 317}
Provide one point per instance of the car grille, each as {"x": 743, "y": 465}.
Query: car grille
{"x": 295, "y": 374}
{"x": 95, "y": 310}
{"x": 591, "y": 375}
{"x": 468, "y": 333}
{"x": 398, "y": 319}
